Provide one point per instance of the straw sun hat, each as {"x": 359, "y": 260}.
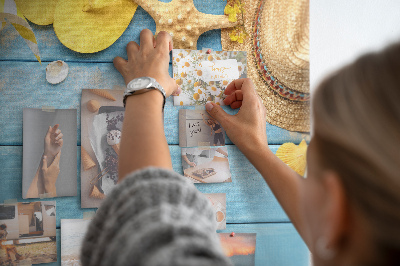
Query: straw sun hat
{"x": 277, "y": 48}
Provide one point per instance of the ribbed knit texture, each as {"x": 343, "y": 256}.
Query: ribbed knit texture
{"x": 153, "y": 217}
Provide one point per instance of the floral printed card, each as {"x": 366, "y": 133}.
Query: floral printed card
{"x": 204, "y": 76}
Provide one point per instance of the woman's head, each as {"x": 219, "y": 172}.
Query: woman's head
{"x": 3, "y": 226}
{"x": 355, "y": 157}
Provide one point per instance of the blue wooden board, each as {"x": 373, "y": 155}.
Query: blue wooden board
{"x": 251, "y": 207}
{"x": 276, "y": 244}
{"x": 23, "y": 85}
{"x": 249, "y": 199}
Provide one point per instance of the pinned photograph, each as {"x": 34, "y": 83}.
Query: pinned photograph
{"x": 28, "y": 233}
{"x": 239, "y": 247}
{"x": 198, "y": 128}
{"x": 204, "y": 75}
{"x": 49, "y": 153}
{"x": 206, "y": 165}
{"x": 218, "y": 201}
{"x": 72, "y": 234}
{"x": 102, "y": 114}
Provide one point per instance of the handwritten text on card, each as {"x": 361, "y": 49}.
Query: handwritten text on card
{"x": 219, "y": 70}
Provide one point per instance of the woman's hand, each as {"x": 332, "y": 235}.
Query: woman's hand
{"x": 53, "y": 143}
{"x": 247, "y": 129}
{"x": 50, "y": 175}
{"x": 150, "y": 59}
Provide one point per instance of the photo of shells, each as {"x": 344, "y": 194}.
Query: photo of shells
{"x": 102, "y": 114}
{"x": 239, "y": 247}
{"x": 206, "y": 164}
{"x": 218, "y": 201}
{"x": 198, "y": 128}
{"x": 204, "y": 76}
{"x": 72, "y": 234}
{"x": 49, "y": 153}
{"x": 28, "y": 233}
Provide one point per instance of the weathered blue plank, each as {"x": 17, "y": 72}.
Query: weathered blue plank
{"x": 248, "y": 197}
{"x": 23, "y": 85}
{"x": 276, "y": 244}
{"x": 13, "y": 47}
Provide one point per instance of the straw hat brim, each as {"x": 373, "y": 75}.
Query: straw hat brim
{"x": 277, "y": 58}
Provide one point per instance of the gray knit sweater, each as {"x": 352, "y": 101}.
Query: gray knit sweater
{"x": 153, "y": 217}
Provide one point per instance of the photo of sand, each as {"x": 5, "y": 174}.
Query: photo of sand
{"x": 72, "y": 233}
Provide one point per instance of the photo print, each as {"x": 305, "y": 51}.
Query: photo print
{"x": 49, "y": 153}
{"x": 28, "y": 233}
{"x": 198, "y": 128}
{"x": 72, "y": 234}
{"x": 204, "y": 76}
{"x": 206, "y": 165}
{"x": 218, "y": 201}
{"x": 102, "y": 114}
{"x": 239, "y": 247}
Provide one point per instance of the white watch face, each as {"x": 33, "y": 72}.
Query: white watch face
{"x": 140, "y": 83}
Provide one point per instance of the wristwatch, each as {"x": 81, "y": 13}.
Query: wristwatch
{"x": 143, "y": 85}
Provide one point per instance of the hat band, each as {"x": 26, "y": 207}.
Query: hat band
{"x": 273, "y": 83}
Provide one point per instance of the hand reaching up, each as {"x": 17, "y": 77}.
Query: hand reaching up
{"x": 53, "y": 143}
{"x": 247, "y": 129}
{"x": 50, "y": 174}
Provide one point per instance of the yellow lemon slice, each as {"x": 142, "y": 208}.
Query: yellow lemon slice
{"x": 40, "y": 12}
{"x": 94, "y": 29}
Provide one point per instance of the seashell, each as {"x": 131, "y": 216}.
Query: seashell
{"x": 95, "y": 193}
{"x": 103, "y": 93}
{"x": 56, "y": 71}
{"x": 87, "y": 161}
{"x": 93, "y": 106}
{"x": 294, "y": 156}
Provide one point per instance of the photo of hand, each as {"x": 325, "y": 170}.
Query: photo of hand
{"x": 44, "y": 182}
{"x": 53, "y": 142}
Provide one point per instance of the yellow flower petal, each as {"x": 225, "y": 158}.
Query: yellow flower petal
{"x": 232, "y": 17}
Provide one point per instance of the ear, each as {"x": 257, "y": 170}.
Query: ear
{"x": 336, "y": 212}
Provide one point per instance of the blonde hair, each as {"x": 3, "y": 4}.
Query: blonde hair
{"x": 356, "y": 113}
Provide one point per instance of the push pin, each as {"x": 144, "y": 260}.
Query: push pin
{"x": 208, "y": 51}
{"x": 232, "y": 234}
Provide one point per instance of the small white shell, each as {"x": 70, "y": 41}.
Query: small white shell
{"x": 56, "y": 71}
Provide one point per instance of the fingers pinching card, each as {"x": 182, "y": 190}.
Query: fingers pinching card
{"x": 49, "y": 153}
{"x": 204, "y": 75}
